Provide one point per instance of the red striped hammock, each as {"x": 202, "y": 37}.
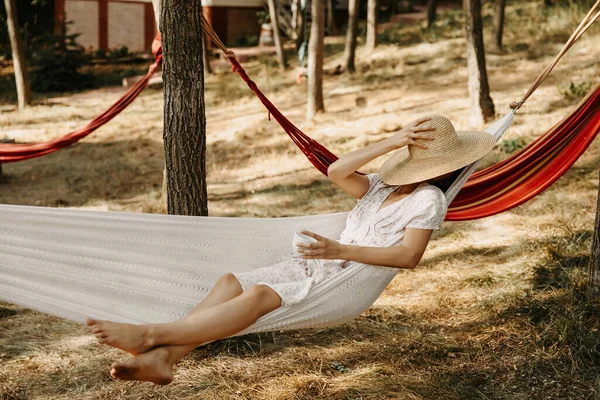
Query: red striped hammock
{"x": 490, "y": 191}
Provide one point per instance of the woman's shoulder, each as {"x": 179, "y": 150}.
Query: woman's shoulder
{"x": 375, "y": 183}
{"x": 428, "y": 193}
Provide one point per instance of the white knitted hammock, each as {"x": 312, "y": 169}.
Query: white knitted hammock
{"x": 145, "y": 268}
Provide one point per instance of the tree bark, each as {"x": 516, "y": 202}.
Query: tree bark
{"x": 371, "y": 42}
{"x": 482, "y": 106}
{"x": 274, "y": 13}
{"x": 185, "y": 124}
{"x": 431, "y": 12}
{"x": 499, "y": 23}
{"x": 18, "y": 54}
{"x": 350, "y": 49}
{"x": 316, "y": 49}
{"x": 594, "y": 266}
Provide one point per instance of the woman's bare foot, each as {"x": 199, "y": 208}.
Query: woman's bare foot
{"x": 133, "y": 339}
{"x": 152, "y": 366}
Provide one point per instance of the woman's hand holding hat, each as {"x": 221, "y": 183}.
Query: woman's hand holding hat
{"x": 409, "y": 134}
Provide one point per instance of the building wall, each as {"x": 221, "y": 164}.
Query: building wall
{"x": 241, "y": 22}
{"x": 110, "y": 24}
{"x": 126, "y": 25}
{"x": 84, "y": 17}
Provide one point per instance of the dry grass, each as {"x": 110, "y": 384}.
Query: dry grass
{"x": 495, "y": 310}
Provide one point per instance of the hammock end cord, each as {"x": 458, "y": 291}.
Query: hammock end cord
{"x": 589, "y": 19}
{"x": 515, "y": 105}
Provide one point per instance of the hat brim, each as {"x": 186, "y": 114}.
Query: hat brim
{"x": 400, "y": 169}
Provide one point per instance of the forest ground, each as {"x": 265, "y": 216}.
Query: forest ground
{"x": 495, "y": 310}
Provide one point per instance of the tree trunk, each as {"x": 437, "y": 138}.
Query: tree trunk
{"x": 206, "y": 56}
{"x": 18, "y": 54}
{"x": 371, "y": 42}
{"x": 499, "y": 23}
{"x": 482, "y": 106}
{"x": 331, "y": 27}
{"x": 431, "y": 12}
{"x": 594, "y": 266}
{"x": 274, "y": 13}
{"x": 300, "y": 18}
{"x": 157, "y": 8}
{"x": 316, "y": 49}
{"x": 295, "y": 6}
{"x": 185, "y": 124}
{"x": 350, "y": 49}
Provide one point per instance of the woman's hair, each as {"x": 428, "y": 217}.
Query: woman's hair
{"x": 444, "y": 182}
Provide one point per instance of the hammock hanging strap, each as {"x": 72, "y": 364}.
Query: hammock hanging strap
{"x": 584, "y": 25}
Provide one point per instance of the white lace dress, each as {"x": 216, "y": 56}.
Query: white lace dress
{"x": 366, "y": 225}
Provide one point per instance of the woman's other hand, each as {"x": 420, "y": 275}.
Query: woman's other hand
{"x": 418, "y": 129}
{"x": 323, "y": 248}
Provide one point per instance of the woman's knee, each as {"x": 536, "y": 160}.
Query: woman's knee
{"x": 264, "y": 296}
{"x": 229, "y": 280}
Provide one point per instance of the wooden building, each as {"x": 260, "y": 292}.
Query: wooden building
{"x": 110, "y": 24}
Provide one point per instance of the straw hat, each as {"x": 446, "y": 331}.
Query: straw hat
{"x": 447, "y": 152}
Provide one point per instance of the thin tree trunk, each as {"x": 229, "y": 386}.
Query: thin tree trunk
{"x": 206, "y": 56}
{"x": 331, "y": 27}
{"x": 371, "y": 42}
{"x": 185, "y": 124}
{"x": 482, "y": 106}
{"x": 274, "y": 13}
{"x": 295, "y": 6}
{"x": 316, "y": 49}
{"x": 594, "y": 266}
{"x": 156, "y": 6}
{"x": 431, "y": 12}
{"x": 300, "y": 23}
{"x": 18, "y": 54}
{"x": 350, "y": 49}
{"x": 499, "y": 23}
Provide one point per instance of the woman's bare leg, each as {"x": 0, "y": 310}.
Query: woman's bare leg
{"x": 214, "y": 323}
{"x": 156, "y": 365}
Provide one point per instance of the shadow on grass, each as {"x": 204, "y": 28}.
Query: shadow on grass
{"x": 539, "y": 344}
{"x": 85, "y": 172}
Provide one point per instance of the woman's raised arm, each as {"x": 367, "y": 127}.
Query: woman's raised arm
{"x": 343, "y": 172}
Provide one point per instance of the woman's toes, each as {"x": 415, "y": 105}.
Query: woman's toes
{"x": 118, "y": 371}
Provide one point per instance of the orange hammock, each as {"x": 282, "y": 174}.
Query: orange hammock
{"x": 522, "y": 176}
{"x": 490, "y": 191}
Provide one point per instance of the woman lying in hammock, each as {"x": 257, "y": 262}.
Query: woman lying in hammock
{"x": 390, "y": 226}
